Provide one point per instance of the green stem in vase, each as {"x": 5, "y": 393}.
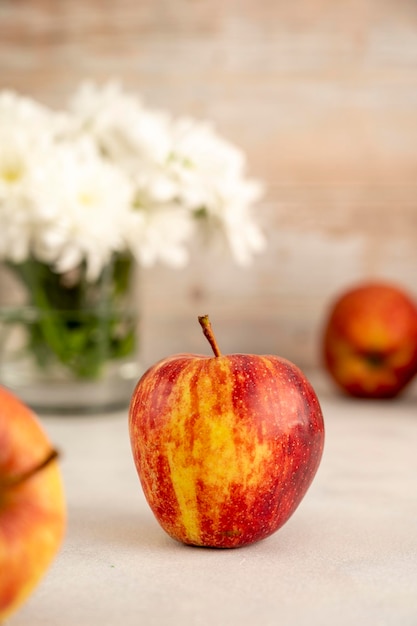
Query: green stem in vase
{"x": 81, "y": 324}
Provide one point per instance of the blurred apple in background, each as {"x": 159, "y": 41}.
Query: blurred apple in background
{"x": 32, "y": 505}
{"x": 225, "y": 446}
{"x": 370, "y": 340}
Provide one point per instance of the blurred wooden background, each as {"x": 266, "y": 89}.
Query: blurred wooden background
{"x": 321, "y": 95}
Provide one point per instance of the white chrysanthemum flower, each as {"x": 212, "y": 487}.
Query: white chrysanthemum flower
{"x": 85, "y": 209}
{"x": 24, "y": 113}
{"x": 161, "y": 235}
{"x": 109, "y": 175}
{"x": 234, "y": 218}
{"x": 210, "y": 177}
{"x": 26, "y": 144}
{"x": 197, "y": 143}
{"x": 17, "y": 172}
{"x": 127, "y": 132}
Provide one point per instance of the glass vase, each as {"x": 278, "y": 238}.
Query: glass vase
{"x": 70, "y": 345}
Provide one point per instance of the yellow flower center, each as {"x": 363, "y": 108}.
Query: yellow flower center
{"x": 11, "y": 172}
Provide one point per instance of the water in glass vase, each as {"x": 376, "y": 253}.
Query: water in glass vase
{"x": 71, "y": 345}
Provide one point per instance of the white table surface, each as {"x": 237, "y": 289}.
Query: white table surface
{"x": 347, "y": 556}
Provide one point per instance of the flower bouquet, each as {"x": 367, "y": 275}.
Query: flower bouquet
{"x": 87, "y": 195}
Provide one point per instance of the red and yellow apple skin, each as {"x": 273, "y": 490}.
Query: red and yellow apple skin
{"x": 225, "y": 446}
{"x": 32, "y": 504}
{"x": 370, "y": 340}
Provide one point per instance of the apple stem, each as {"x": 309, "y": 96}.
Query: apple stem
{"x": 208, "y": 333}
{"x": 14, "y": 481}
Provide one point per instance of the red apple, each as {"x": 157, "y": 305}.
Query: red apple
{"x": 370, "y": 340}
{"x": 225, "y": 446}
{"x": 32, "y": 506}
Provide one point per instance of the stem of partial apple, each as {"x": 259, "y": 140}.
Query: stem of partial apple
{"x": 208, "y": 333}
{"x": 14, "y": 481}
